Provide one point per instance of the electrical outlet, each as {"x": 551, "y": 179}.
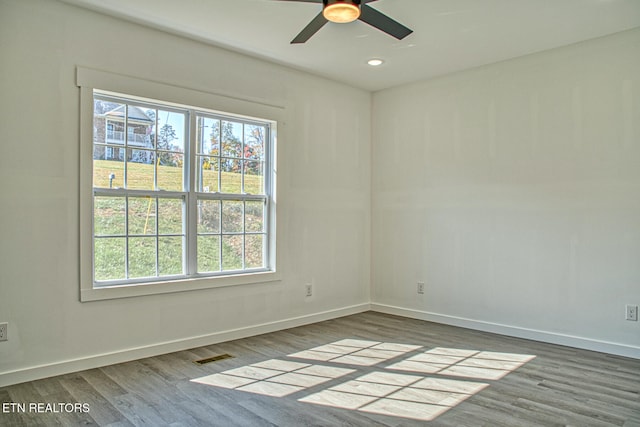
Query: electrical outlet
{"x": 3, "y": 331}
{"x": 631, "y": 312}
{"x": 309, "y": 289}
{"x": 420, "y": 287}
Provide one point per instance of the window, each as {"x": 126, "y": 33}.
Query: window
{"x": 184, "y": 193}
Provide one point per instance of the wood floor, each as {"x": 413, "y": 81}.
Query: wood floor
{"x": 369, "y": 369}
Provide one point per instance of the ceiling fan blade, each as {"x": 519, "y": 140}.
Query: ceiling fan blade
{"x": 383, "y": 22}
{"x": 312, "y": 28}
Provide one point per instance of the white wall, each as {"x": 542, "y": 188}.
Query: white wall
{"x": 513, "y": 191}
{"x": 323, "y": 205}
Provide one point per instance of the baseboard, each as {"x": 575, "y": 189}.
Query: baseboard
{"x": 96, "y": 361}
{"x": 513, "y": 331}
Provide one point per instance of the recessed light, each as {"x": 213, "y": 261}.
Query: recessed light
{"x": 375, "y": 62}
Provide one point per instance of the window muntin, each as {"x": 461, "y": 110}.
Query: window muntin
{"x": 143, "y": 191}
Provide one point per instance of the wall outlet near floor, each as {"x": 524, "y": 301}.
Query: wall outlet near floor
{"x": 3, "y": 331}
{"x": 420, "y": 287}
{"x": 308, "y": 290}
{"x": 631, "y": 312}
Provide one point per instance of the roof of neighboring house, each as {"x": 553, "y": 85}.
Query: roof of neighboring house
{"x": 135, "y": 113}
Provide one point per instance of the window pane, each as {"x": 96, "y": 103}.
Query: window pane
{"x": 254, "y": 251}
{"x": 232, "y": 252}
{"x": 208, "y": 254}
{"x": 142, "y": 257}
{"x": 254, "y": 177}
{"x": 170, "y": 214}
{"x": 254, "y": 139}
{"x": 140, "y": 122}
{"x": 142, "y": 215}
{"x": 170, "y": 172}
{"x": 109, "y": 216}
{"x": 140, "y": 169}
{"x": 231, "y": 139}
{"x": 208, "y": 175}
{"x": 254, "y": 216}
{"x": 109, "y": 259}
{"x": 231, "y": 176}
{"x": 208, "y": 216}
{"x": 232, "y": 216}
{"x": 170, "y": 256}
{"x": 171, "y": 134}
{"x": 208, "y": 138}
{"x": 108, "y": 173}
{"x": 107, "y": 116}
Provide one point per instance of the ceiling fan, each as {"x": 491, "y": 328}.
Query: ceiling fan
{"x": 344, "y": 11}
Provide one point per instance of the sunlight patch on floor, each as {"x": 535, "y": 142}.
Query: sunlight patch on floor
{"x": 414, "y": 393}
{"x": 356, "y": 352}
{"x": 455, "y": 362}
{"x": 398, "y": 395}
{"x": 277, "y": 378}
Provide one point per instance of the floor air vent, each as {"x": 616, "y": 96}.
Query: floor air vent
{"x": 213, "y": 359}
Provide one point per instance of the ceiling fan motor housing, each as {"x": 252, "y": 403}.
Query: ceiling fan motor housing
{"x": 341, "y": 11}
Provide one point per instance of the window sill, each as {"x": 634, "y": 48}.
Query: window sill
{"x": 183, "y": 285}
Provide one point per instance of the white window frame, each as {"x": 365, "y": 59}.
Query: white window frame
{"x": 89, "y": 80}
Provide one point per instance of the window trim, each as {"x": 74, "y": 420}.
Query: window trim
{"x": 89, "y": 80}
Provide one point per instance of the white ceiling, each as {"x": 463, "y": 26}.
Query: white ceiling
{"x": 449, "y": 35}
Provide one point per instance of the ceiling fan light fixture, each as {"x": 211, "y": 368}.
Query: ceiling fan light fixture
{"x": 341, "y": 11}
